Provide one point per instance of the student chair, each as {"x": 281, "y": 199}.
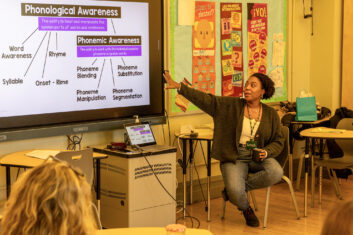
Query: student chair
{"x": 282, "y": 159}
{"x": 334, "y": 163}
{"x": 299, "y": 147}
{"x": 82, "y": 159}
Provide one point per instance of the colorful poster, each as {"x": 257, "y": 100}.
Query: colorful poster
{"x": 203, "y": 47}
{"x": 257, "y": 38}
{"x": 232, "y": 49}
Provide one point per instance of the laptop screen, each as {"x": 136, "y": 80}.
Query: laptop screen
{"x": 140, "y": 134}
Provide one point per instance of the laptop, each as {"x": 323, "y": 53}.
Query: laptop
{"x": 141, "y": 134}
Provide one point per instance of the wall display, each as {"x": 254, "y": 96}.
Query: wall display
{"x": 203, "y": 47}
{"x": 257, "y": 38}
{"x": 231, "y": 49}
{"x": 63, "y": 61}
{"x": 273, "y": 59}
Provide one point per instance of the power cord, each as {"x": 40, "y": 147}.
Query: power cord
{"x": 163, "y": 134}
{"x": 198, "y": 178}
{"x": 203, "y": 154}
{"x": 181, "y": 153}
{"x": 192, "y": 218}
{"x": 170, "y": 195}
{"x": 159, "y": 181}
{"x": 204, "y": 159}
{"x": 186, "y": 165}
{"x": 180, "y": 161}
{"x": 167, "y": 117}
{"x": 74, "y": 141}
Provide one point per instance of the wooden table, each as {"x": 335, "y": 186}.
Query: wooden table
{"x": 149, "y": 231}
{"x": 319, "y": 133}
{"x": 21, "y": 160}
{"x": 201, "y": 137}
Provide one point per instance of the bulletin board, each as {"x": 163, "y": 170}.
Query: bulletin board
{"x": 181, "y": 46}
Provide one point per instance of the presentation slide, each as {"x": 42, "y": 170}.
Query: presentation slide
{"x": 62, "y": 56}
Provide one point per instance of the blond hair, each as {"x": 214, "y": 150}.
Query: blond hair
{"x": 50, "y": 199}
{"x": 339, "y": 220}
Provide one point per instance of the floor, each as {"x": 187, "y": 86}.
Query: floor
{"x": 282, "y": 216}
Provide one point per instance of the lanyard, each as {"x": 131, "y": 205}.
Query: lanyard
{"x": 258, "y": 118}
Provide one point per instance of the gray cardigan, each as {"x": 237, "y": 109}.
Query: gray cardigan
{"x": 228, "y": 115}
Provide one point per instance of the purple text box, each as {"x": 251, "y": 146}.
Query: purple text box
{"x": 145, "y": 132}
{"x": 71, "y": 24}
{"x": 108, "y": 51}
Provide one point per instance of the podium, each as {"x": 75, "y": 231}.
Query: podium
{"x": 131, "y": 195}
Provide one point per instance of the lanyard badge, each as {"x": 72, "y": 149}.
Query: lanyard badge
{"x": 251, "y": 144}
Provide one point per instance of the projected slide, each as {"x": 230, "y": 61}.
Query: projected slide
{"x": 61, "y": 56}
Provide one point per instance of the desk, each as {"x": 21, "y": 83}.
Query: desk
{"x": 319, "y": 133}
{"x": 202, "y": 137}
{"x": 138, "y": 187}
{"x": 149, "y": 231}
{"x": 306, "y": 124}
{"x": 21, "y": 160}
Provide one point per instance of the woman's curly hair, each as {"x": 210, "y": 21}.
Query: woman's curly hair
{"x": 50, "y": 199}
{"x": 267, "y": 84}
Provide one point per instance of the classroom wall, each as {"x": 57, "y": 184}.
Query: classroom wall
{"x": 347, "y": 59}
{"x": 316, "y": 59}
{"x": 325, "y": 61}
{"x": 299, "y": 59}
{"x": 313, "y": 62}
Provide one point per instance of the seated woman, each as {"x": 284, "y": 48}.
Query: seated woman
{"x": 52, "y": 198}
{"x": 240, "y": 126}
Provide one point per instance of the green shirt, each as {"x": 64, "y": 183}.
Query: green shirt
{"x": 228, "y": 115}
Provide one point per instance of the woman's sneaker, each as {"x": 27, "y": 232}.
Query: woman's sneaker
{"x": 250, "y": 217}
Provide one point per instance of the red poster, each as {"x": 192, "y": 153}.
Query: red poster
{"x": 257, "y": 38}
{"x": 232, "y": 49}
{"x": 203, "y": 47}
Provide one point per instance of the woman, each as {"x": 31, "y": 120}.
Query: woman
{"x": 240, "y": 125}
{"x": 50, "y": 199}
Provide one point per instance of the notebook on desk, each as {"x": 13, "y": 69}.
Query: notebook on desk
{"x": 141, "y": 135}
{"x": 42, "y": 154}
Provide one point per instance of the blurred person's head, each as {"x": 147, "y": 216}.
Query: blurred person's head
{"x": 52, "y": 199}
{"x": 339, "y": 220}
